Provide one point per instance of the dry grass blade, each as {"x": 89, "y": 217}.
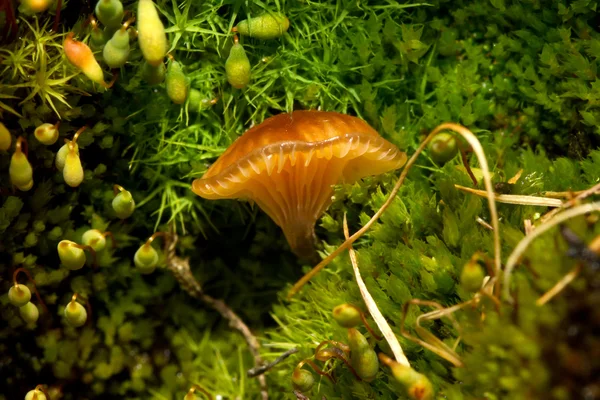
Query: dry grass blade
{"x": 515, "y": 199}
{"x": 378, "y": 317}
{"x": 540, "y": 229}
{"x": 431, "y": 342}
{"x": 478, "y": 150}
{"x": 560, "y": 285}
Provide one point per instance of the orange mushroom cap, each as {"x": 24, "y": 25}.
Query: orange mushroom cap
{"x": 289, "y": 164}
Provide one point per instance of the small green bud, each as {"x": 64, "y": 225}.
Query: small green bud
{"x": 110, "y": 13}
{"x": 29, "y": 312}
{"x": 75, "y": 313}
{"x": 39, "y": 226}
{"x": 347, "y": 315}
{"x": 94, "y": 238}
{"x": 97, "y": 37}
{"x": 153, "y": 75}
{"x": 35, "y": 395}
{"x": 265, "y": 26}
{"x": 362, "y": 357}
{"x": 46, "y": 133}
{"x": 237, "y": 67}
{"x": 19, "y": 295}
{"x": 176, "y": 83}
{"x": 472, "y": 275}
{"x": 116, "y": 50}
{"x": 443, "y": 148}
{"x": 71, "y": 256}
{"x": 123, "y": 204}
{"x": 146, "y": 258}
{"x": 302, "y": 379}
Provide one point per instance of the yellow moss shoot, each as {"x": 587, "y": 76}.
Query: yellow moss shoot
{"x": 5, "y": 138}
{"x": 20, "y": 171}
{"x": 151, "y": 33}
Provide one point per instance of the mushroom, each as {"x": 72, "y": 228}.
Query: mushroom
{"x": 289, "y": 164}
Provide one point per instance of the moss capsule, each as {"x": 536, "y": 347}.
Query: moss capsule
{"x": 95, "y": 239}
{"x": 81, "y": 56}
{"x": 418, "y": 386}
{"x": 71, "y": 255}
{"x": 61, "y": 155}
{"x": 73, "y": 170}
{"x": 146, "y": 258}
{"x": 362, "y": 357}
{"x": 116, "y": 50}
{"x": 110, "y": 13}
{"x": 302, "y": 379}
{"x": 176, "y": 83}
{"x": 20, "y": 171}
{"x": 443, "y": 148}
{"x": 19, "y": 295}
{"x": 5, "y": 138}
{"x": 264, "y": 26}
{"x": 123, "y": 203}
{"x": 75, "y": 313}
{"x": 47, "y": 133}
{"x": 472, "y": 275}
{"x": 151, "y": 33}
{"x": 29, "y": 312}
{"x": 36, "y": 6}
{"x": 97, "y": 36}
{"x": 35, "y": 394}
{"x": 237, "y": 66}
{"x": 347, "y": 315}
{"x": 153, "y": 75}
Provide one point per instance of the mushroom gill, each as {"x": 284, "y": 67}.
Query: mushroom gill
{"x": 289, "y": 163}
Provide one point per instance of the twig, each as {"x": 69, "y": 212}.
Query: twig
{"x": 259, "y": 370}
{"x": 180, "y": 267}
{"x": 379, "y": 319}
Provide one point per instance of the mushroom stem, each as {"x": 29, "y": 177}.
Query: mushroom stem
{"x": 302, "y": 241}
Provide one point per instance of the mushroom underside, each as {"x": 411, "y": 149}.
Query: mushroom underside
{"x": 293, "y": 181}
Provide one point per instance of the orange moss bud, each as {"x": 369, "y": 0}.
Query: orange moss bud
{"x": 81, "y": 56}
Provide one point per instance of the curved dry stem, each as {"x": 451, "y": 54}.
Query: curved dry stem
{"x": 478, "y": 150}
{"x": 76, "y": 136}
{"x": 342, "y": 346}
{"x": 378, "y": 317}
{"x": 436, "y": 346}
{"x": 316, "y": 368}
{"x": 22, "y": 142}
{"x": 363, "y": 318}
{"x": 112, "y": 238}
{"x": 236, "y": 40}
{"x": 526, "y": 241}
{"x": 200, "y": 389}
{"x": 154, "y": 236}
{"x": 42, "y": 389}
{"x": 334, "y": 352}
{"x": 127, "y": 23}
{"x": 515, "y": 198}
{"x": 117, "y": 189}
